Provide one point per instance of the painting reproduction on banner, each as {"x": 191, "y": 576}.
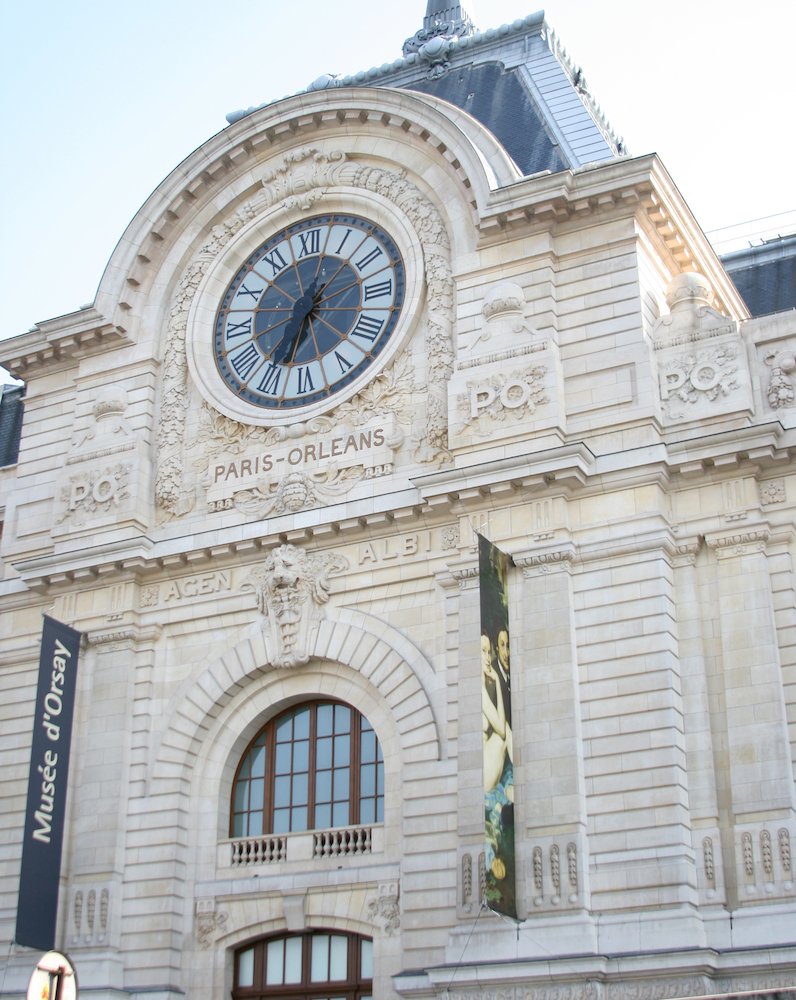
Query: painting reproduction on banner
{"x": 497, "y": 731}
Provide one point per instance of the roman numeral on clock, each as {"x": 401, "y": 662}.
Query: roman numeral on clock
{"x": 344, "y": 363}
{"x": 246, "y": 361}
{"x": 310, "y": 242}
{"x": 368, "y": 328}
{"x": 243, "y": 329}
{"x": 304, "y": 380}
{"x": 275, "y": 261}
{"x": 255, "y": 293}
{"x": 378, "y": 289}
{"x": 369, "y": 258}
{"x": 269, "y": 383}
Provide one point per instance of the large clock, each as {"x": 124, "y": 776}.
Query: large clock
{"x": 308, "y": 313}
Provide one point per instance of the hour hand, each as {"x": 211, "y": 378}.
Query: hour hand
{"x": 284, "y": 349}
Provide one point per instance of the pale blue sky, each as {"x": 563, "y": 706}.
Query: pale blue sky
{"x": 100, "y": 100}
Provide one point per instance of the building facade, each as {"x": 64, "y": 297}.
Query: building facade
{"x": 353, "y": 332}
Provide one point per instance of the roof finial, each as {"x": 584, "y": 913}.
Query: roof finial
{"x": 443, "y": 20}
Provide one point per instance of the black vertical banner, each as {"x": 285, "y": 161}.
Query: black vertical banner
{"x": 498, "y": 743}
{"x": 37, "y": 910}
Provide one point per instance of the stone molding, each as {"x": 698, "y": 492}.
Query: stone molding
{"x": 382, "y": 655}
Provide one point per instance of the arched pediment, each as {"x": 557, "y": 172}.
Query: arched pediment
{"x": 383, "y": 674}
{"x": 421, "y": 135}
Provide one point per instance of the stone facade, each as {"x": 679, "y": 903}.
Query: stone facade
{"x": 576, "y": 378}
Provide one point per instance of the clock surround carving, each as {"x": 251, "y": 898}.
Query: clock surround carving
{"x": 303, "y": 173}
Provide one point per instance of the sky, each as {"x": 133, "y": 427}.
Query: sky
{"x": 100, "y": 100}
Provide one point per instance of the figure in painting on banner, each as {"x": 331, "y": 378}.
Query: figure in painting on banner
{"x": 496, "y": 726}
{"x": 498, "y": 755}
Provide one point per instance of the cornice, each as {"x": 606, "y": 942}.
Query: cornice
{"x": 61, "y": 341}
{"x": 638, "y": 189}
{"x": 431, "y": 500}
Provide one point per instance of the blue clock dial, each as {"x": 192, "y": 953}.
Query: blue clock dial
{"x": 309, "y": 312}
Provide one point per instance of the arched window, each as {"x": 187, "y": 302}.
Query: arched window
{"x": 314, "y": 767}
{"x": 305, "y": 966}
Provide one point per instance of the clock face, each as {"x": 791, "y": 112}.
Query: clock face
{"x": 309, "y": 312}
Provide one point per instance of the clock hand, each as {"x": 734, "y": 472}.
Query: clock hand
{"x": 286, "y": 348}
{"x": 305, "y": 327}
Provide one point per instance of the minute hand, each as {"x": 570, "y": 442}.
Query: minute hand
{"x": 305, "y": 323}
{"x": 286, "y": 348}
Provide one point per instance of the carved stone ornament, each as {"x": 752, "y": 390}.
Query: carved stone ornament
{"x": 210, "y": 926}
{"x": 95, "y": 492}
{"x": 451, "y": 22}
{"x": 386, "y": 395}
{"x": 291, "y": 587}
{"x": 692, "y": 317}
{"x": 303, "y": 178}
{"x": 780, "y": 392}
{"x": 110, "y": 431}
{"x": 772, "y": 491}
{"x": 385, "y": 909}
{"x": 298, "y": 491}
{"x": 701, "y": 375}
{"x": 504, "y": 398}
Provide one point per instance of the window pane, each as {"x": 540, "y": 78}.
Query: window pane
{"x": 323, "y": 816}
{"x": 342, "y": 751}
{"x": 338, "y": 964}
{"x": 300, "y": 820}
{"x": 283, "y": 758}
{"x": 301, "y": 790}
{"x": 323, "y": 786}
{"x": 320, "y": 959}
{"x": 301, "y": 756}
{"x": 342, "y": 719}
{"x": 258, "y": 760}
{"x": 367, "y": 812}
{"x": 257, "y": 789}
{"x": 241, "y": 789}
{"x": 302, "y": 724}
{"x": 275, "y": 963}
{"x": 340, "y": 814}
{"x": 246, "y": 968}
{"x": 245, "y": 767}
{"x": 367, "y": 779}
{"x": 366, "y": 960}
{"x": 324, "y": 722}
{"x": 282, "y": 792}
{"x": 340, "y": 786}
{"x": 367, "y": 745}
{"x": 284, "y": 730}
{"x": 281, "y": 821}
{"x": 293, "y": 960}
{"x": 323, "y": 753}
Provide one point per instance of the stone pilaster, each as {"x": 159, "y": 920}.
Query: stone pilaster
{"x": 759, "y": 765}
{"x": 548, "y": 741}
{"x": 699, "y": 740}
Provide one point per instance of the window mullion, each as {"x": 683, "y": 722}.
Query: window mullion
{"x": 312, "y": 753}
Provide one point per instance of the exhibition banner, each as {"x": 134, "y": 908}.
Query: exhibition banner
{"x": 37, "y": 909}
{"x": 497, "y": 733}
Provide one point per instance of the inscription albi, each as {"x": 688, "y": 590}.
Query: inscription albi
{"x": 374, "y": 553}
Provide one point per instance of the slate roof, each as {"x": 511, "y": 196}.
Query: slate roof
{"x": 497, "y": 98}
{"x": 10, "y": 422}
{"x": 517, "y": 80}
{"x": 765, "y": 275}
